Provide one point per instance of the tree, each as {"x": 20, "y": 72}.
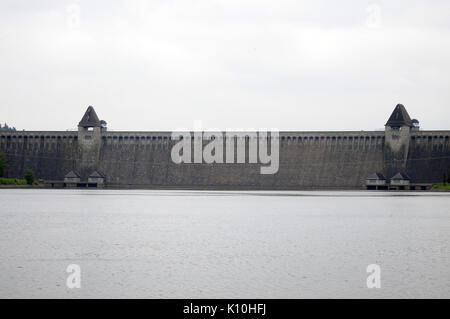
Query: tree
{"x": 7, "y": 128}
{"x": 444, "y": 180}
{"x": 448, "y": 179}
{"x": 29, "y": 176}
{"x": 3, "y": 164}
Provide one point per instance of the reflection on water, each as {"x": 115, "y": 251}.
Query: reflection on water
{"x": 217, "y": 244}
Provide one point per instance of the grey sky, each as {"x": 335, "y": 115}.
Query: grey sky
{"x": 161, "y": 65}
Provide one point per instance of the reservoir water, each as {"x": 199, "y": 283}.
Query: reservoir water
{"x": 217, "y": 244}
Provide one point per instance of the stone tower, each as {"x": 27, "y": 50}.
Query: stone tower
{"x": 397, "y": 138}
{"x": 90, "y": 130}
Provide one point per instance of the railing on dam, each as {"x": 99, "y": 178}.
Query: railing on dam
{"x": 11, "y": 138}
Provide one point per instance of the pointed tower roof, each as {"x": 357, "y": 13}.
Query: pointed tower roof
{"x": 400, "y": 176}
{"x": 96, "y": 174}
{"x": 399, "y": 117}
{"x": 72, "y": 174}
{"x": 90, "y": 118}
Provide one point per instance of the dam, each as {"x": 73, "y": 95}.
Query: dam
{"x": 307, "y": 160}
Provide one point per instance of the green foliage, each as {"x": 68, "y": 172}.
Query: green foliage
{"x": 3, "y": 164}
{"x": 12, "y": 181}
{"x": 441, "y": 186}
{"x": 29, "y": 176}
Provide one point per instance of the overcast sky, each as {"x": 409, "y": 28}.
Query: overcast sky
{"x": 161, "y": 65}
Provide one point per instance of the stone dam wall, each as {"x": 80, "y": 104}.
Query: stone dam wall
{"x": 307, "y": 159}
{"x": 49, "y": 154}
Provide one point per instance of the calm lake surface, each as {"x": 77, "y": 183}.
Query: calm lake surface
{"x": 200, "y": 244}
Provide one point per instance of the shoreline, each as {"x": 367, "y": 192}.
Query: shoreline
{"x": 218, "y": 188}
